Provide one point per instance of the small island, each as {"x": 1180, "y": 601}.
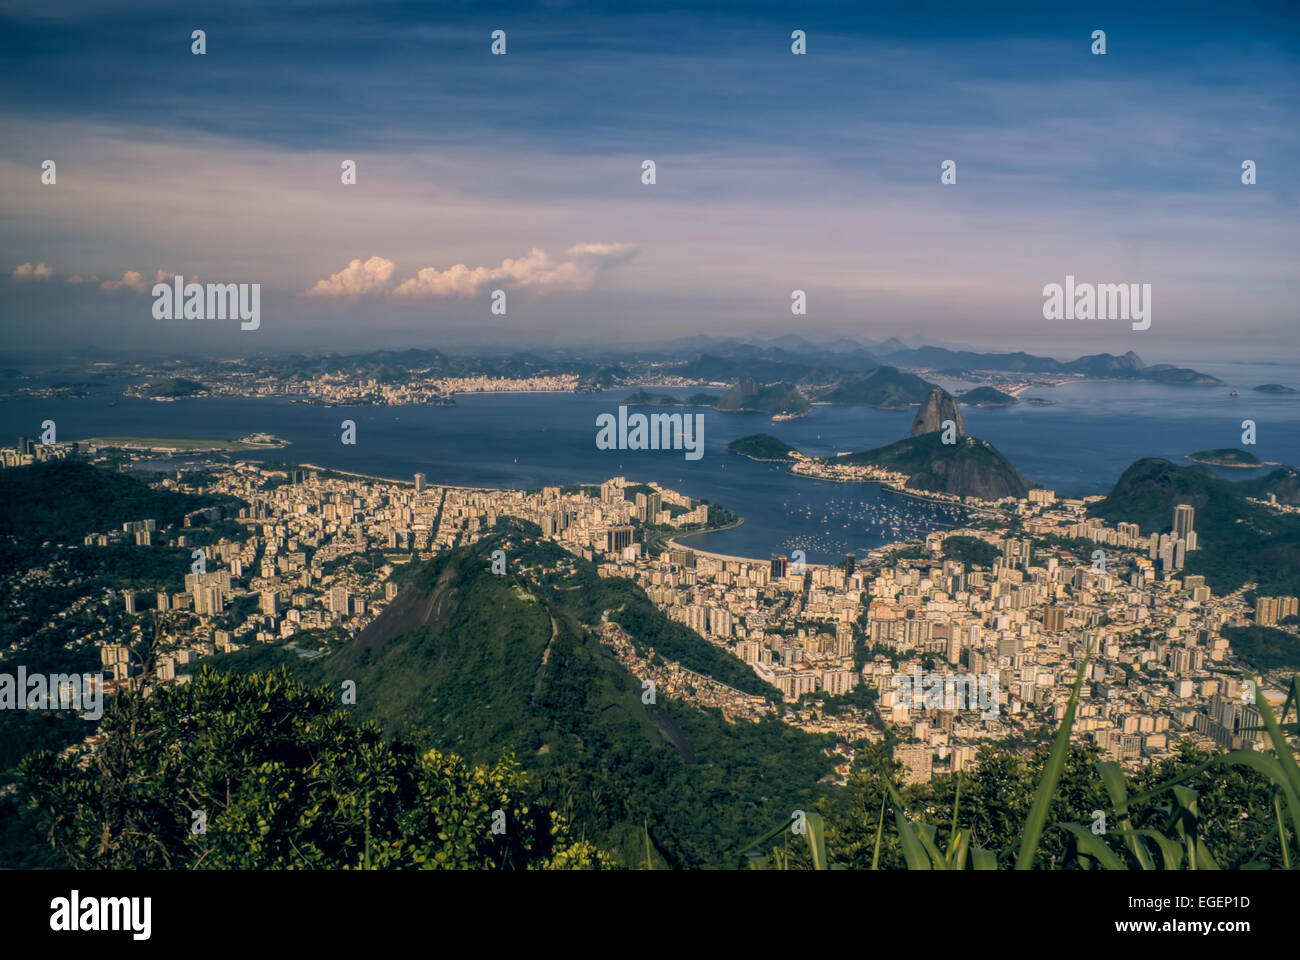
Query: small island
{"x": 168, "y": 388}
{"x": 1229, "y": 457}
{"x": 986, "y": 397}
{"x": 1273, "y": 388}
{"x": 762, "y": 447}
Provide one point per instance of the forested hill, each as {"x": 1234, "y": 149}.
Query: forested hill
{"x": 1238, "y": 541}
{"x": 63, "y": 500}
{"x": 475, "y": 663}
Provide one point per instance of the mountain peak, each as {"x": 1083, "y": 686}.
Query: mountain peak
{"x": 937, "y": 407}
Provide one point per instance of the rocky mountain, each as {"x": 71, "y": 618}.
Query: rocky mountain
{"x": 937, "y": 407}
{"x": 968, "y": 468}
{"x": 748, "y": 394}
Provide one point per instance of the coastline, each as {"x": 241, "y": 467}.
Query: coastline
{"x": 890, "y": 485}
{"x": 1233, "y": 466}
{"x": 378, "y": 479}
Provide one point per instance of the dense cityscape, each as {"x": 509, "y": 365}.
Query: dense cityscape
{"x": 1018, "y": 598}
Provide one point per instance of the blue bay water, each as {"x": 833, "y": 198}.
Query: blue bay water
{"x": 1078, "y": 444}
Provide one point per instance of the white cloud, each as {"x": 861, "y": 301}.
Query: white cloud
{"x": 357, "y": 279}
{"x": 133, "y": 280}
{"x": 534, "y": 269}
{"x": 25, "y": 271}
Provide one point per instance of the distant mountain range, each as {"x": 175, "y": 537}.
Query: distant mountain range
{"x": 883, "y": 374}
{"x": 791, "y": 358}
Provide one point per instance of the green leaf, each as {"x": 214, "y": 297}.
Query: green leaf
{"x": 983, "y": 859}
{"x": 1087, "y": 843}
{"x": 913, "y": 851}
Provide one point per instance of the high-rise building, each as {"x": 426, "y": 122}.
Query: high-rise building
{"x": 129, "y": 597}
{"x": 339, "y": 600}
{"x": 420, "y": 481}
{"x": 1053, "y": 619}
{"x": 616, "y": 538}
{"x": 778, "y": 566}
{"x": 209, "y": 601}
{"x": 850, "y": 564}
{"x": 1269, "y": 610}
{"x": 1183, "y": 517}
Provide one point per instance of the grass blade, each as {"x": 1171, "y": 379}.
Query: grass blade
{"x": 816, "y": 827}
{"x": 1051, "y": 774}
{"x": 1112, "y": 777}
{"x": 880, "y": 827}
{"x": 1281, "y": 831}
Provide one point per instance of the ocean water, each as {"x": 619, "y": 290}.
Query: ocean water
{"x": 1077, "y": 444}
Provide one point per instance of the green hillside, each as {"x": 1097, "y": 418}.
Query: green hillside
{"x": 1283, "y": 483}
{"x": 1239, "y": 541}
{"x": 456, "y": 661}
{"x": 63, "y": 500}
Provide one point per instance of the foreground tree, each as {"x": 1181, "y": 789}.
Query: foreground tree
{"x": 261, "y": 772}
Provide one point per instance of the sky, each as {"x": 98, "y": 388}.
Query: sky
{"x": 774, "y": 172}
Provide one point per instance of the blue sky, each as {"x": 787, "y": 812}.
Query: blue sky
{"x": 774, "y": 172}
